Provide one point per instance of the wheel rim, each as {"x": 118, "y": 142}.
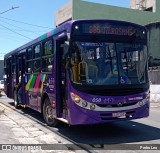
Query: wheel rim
{"x": 48, "y": 113}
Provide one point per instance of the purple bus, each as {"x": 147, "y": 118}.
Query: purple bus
{"x": 83, "y": 72}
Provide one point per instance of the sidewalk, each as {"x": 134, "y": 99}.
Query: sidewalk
{"x": 1, "y": 108}
{"x": 7, "y": 136}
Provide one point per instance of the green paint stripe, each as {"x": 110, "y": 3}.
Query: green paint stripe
{"x": 33, "y": 81}
{"x": 28, "y": 84}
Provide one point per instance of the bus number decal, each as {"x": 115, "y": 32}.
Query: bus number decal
{"x": 51, "y": 83}
{"x": 96, "y": 100}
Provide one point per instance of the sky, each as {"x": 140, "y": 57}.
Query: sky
{"x": 31, "y": 19}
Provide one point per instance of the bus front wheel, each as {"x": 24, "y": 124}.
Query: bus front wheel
{"x": 47, "y": 114}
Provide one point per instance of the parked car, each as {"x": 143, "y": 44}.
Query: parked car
{"x": 1, "y": 85}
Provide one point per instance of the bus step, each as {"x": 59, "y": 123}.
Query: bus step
{"x": 62, "y": 120}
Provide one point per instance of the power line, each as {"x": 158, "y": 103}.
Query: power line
{"x": 15, "y": 32}
{"x": 12, "y": 8}
{"x": 25, "y": 30}
{"x": 19, "y": 27}
{"x": 26, "y": 23}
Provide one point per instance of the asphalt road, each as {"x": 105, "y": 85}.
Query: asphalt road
{"x": 126, "y": 135}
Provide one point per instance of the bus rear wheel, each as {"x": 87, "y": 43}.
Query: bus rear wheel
{"x": 47, "y": 114}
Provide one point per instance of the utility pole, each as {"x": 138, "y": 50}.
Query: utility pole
{"x": 12, "y": 8}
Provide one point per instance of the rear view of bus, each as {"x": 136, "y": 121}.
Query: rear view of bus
{"x": 108, "y": 72}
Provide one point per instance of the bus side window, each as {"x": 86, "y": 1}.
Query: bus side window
{"x": 37, "y": 51}
{"x": 37, "y": 59}
{"x": 29, "y": 60}
{"x": 29, "y": 54}
{"x": 47, "y": 57}
{"x": 36, "y": 66}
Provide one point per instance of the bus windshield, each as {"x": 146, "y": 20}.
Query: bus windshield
{"x": 104, "y": 63}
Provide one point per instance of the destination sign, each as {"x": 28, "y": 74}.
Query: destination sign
{"x": 114, "y": 29}
{"x": 107, "y": 29}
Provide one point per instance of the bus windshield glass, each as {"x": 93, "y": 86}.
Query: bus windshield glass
{"x": 106, "y": 63}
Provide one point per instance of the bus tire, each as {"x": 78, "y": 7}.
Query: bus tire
{"x": 15, "y": 100}
{"x": 47, "y": 114}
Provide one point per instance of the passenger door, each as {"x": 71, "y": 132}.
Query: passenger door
{"x": 61, "y": 75}
{"x": 21, "y": 67}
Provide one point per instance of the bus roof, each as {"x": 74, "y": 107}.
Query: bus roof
{"x": 58, "y": 30}
{"x": 42, "y": 37}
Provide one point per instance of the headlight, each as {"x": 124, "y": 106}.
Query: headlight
{"x": 148, "y": 96}
{"x": 77, "y": 99}
{"x": 92, "y": 106}
{"x": 143, "y": 102}
{"x": 81, "y": 102}
{"x": 84, "y": 104}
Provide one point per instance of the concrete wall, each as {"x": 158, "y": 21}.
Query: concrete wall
{"x": 154, "y": 40}
{"x": 133, "y": 4}
{"x": 154, "y": 76}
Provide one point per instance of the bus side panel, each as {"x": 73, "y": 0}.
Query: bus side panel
{"x": 32, "y": 90}
{"x": 50, "y": 89}
{"x": 47, "y": 87}
{"x": 36, "y": 85}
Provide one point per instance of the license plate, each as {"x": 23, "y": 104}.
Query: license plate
{"x": 119, "y": 114}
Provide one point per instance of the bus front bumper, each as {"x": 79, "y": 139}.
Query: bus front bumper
{"x": 79, "y": 115}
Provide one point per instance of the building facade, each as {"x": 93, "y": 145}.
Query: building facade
{"x": 78, "y": 9}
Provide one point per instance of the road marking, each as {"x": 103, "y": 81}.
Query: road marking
{"x": 6, "y": 107}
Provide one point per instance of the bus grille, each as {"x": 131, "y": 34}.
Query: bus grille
{"x": 117, "y": 92}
